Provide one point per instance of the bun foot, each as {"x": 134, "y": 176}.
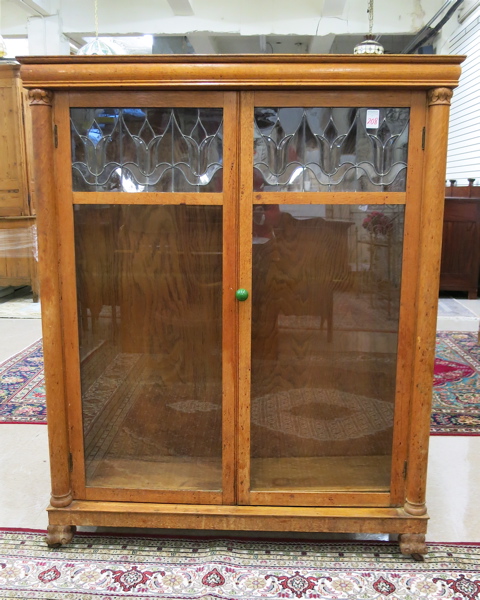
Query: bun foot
{"x": 59, "y": 535}
{"x": 413, "y": 544}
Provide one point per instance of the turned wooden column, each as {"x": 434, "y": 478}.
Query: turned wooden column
{"x": 43, "y": 150}
{"x": 427, "y": 296}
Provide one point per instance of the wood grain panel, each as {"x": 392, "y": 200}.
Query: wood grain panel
{"x": 248, "y": 518}
{"x": 67, "y": 272}
{"x": 320, "y": 473}
{"x": 427, "y": 296}
{"x": 148, "y": 198}
{"x": 243, "y": 72}
{"x": 329, "y": 198}
{"x": 331, "y": 98}
{"x": 231, "y": 144}
{"x": 146, "y": 99}
{"x": 245, "y": 308}
{"x": 410, "y": 266}
{"x": 48, "y": 240}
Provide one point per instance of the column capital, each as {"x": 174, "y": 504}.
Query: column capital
{"x": 440, "y": 95}
{"x": 39, "y": 96}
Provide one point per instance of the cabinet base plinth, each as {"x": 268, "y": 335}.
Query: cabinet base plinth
{"x": 59, "y": 535}
{"x": 414, "y": 544}
{"x": 240, "y": 518}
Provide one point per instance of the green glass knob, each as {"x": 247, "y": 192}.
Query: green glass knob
{"x": 241, "y": 295}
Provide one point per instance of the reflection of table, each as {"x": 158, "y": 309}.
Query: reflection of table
{"x": 382, "y": 272}
{"x": 296, "y": 272}
{"x": 18, "y": 265}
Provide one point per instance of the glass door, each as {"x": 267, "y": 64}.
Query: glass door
{"x": 326, "y": 224}
{"x": 152, "y": 205}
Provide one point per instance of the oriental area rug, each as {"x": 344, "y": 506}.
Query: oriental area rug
{"x": 95, "y": 566}
{"x": 456, "y": 393}
{"x": 22, "y": 387}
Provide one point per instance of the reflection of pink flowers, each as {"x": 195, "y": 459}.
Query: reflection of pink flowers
{"x": 377, "y": 223}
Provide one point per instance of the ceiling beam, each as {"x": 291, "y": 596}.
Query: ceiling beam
{"x": 75, "y": 39}
{"x": 263, "y": 43}
{"x": 321, "y": 44}
{"x": 334, "y": 8}
{"x": 181, "y": 8}
{"x": 202, "y": 43}
{"x": 38, "y": 8}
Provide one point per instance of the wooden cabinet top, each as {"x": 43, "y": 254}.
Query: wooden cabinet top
{"x": 241, "y": 71}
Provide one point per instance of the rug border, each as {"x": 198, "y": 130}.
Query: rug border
{"x": 40, "y": 339}
{"x": 438, "y": 433}
{"x": 203, "y": 537}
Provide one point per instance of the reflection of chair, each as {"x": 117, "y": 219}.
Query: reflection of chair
{"x": 94, "y": 231}
{"x": 295, "y": 274}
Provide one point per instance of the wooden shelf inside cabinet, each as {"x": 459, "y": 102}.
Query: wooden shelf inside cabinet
{"x": 226, "y": 347}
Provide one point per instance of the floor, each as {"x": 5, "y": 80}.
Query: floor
{"x": 453, "y": 486}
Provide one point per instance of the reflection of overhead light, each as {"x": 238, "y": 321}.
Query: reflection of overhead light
{"x": 297, "y": 173}
{"x": 128, "y": 182}
{"x": 3, "y": 47}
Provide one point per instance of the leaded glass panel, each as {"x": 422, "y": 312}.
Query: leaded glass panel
{"x": 147, "y": 149}
{"x": 330, "y": 149}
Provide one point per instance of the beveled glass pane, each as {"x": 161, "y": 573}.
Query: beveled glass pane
{"x": 330, "y": 149}
{"x": 147, "y": 149}
{"x": 325, "y": 311}
{"x": 149, "y": 284}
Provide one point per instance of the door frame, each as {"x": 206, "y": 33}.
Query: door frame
{"x": 67, "y": 199}
{"x": 411, "y": 198}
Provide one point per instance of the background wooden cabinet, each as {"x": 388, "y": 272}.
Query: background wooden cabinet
{"x": 313, "y": 183}
{"x": 460, "y": 267}
{"x": 18, "y": 263}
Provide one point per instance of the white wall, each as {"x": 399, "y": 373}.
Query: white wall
{"x": 240, "y": 17}
{"x": 463, "y": 158}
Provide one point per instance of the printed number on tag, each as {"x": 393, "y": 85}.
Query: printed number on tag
{"x": 373, "y": 119}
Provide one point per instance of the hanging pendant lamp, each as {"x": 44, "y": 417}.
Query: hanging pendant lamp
{"x": 369, "y": 45}
{"x": 96, "y": 46}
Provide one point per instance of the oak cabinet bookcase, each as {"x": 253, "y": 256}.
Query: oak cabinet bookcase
{"x": 239, "y": 265}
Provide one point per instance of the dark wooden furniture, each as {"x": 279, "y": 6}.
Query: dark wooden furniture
{"x": 460, "y": 266}
{"x": 240, "y": 282}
